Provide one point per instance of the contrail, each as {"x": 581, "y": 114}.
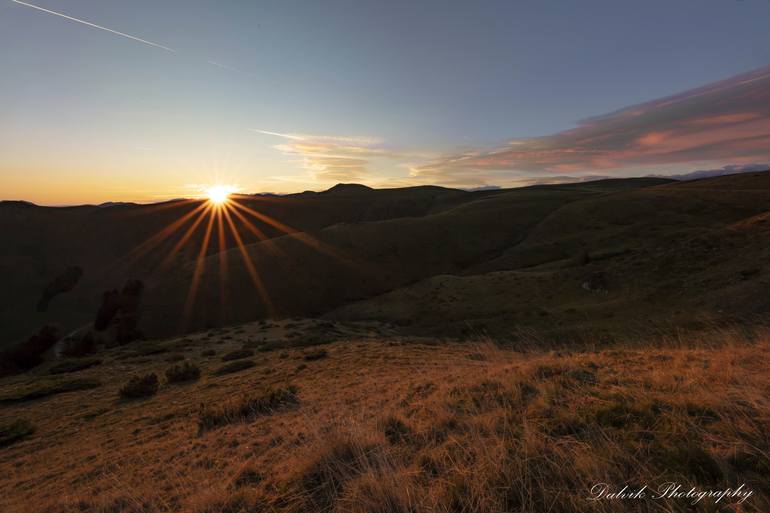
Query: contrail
{"x": 230, "y": 68}
{"x": 95, "y": 26}
{"x": 293, "y": 137}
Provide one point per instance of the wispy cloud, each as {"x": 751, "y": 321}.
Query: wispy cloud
{"x": 720, "y": 123}
{"x": 333, "y": 158}
{"x": 94, "y": 25}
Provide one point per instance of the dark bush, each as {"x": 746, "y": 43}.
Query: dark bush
{"x": 150, "y": 348}
{"x": 15, "y": 431}
{"x": 235, "y": 366}
{"x": 316, "y": 355}
{"x": 121, "y": 310}
{"x": 76, "y": 347}
{"x": 63, "y": 282}
{"x": 74, "y": 365}
{"x": 140, "y": 386}
{"x": 208, "y": 352}
{"x": 30, "y": 353}
{"x": 182, "y": 373}
{"x": 237, "y": 355}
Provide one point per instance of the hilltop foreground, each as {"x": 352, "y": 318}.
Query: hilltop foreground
{"x": 376, "y": 422}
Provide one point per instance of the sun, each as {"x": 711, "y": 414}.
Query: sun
{"x": 219, "y": 194}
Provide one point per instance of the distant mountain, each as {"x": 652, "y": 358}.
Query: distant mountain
{"x": 711, "y": 173}
{"x": 348, "y": 188}
{"x": 108, "y": 204}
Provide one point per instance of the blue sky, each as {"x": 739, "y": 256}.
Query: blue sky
{"x": 286, "y": 96}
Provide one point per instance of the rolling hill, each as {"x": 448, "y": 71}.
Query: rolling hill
{"x": 607, "y": 255}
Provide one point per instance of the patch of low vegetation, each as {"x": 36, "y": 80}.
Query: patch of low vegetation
{"x": 208, "y": 352}
{"x": 79, "y": 346}
{"x": 68, "y": 366}
{"x": 234, "y": 366}
{"x": 140, "y": 386}
{"x": 183, "y": 373}
{"x": 396, "y": 431}
{"x": 349, "y": 468}
{"x": 315, "y": 355}
{"x": 253, "y": 344}
{"x": 238, "y": 354}
{"x": 15, "y": 431}
{"x": 248, "y": 477}
{"x": 30, "y": 353}
{"x": 272, "y": 345}
{"x": 148, "y": 348}
{"x": 247, "y": 408}
{"x": 313, "y": 339}
{"x": 49, "y": 389}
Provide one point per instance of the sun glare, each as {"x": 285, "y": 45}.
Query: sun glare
{"x": 219, "y": 194}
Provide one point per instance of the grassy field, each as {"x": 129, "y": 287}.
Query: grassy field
{"x": 380, "y": 423}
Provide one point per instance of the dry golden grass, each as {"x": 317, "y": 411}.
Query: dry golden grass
{"x": 387, "y": 425}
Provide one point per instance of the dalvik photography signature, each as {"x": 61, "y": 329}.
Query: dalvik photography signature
{"x": 670, "y": 491}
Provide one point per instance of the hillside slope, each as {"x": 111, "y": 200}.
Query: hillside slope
{"x": 41, "y": 242}
{"x": 373, "y": 422}
{"x": 618, "y": 252}
{"x": 671, "y": 255}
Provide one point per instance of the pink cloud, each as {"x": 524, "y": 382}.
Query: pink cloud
{"x": 727, "y": 121}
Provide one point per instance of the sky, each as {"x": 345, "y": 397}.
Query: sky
{"x": 107, "y": 100}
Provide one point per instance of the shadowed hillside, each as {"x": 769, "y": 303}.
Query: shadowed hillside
{"x": 622, "y": 253}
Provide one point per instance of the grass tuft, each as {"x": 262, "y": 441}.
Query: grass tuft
{"x": 183, "y": 373}
{"x": 247, "y": 408}
{"x": 50, "y": 389}
{"x": 140, "y": 386}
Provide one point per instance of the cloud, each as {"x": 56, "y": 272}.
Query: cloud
{"x": 724, "y": 122}
{"x": 333, "y": 158}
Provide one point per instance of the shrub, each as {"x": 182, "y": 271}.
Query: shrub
{"x": 235, "y": 366}
{"x": 140, "y": 386}
{"x": 237, "y": 355}
{"x": 208, "y": 352}
{"x": 396, "y": 431}
{"x": 29, "y": 354}
{"x": 253, "y": 344}
{"x": 49, "y": 389}
{"x": 182, "y": 373}
{"x": 316, "y": 355}
{"x": 74, "y": 365}
{"x": 15, "y": 431}
{"x": 150, "y": 348}
{"x": 271, "y": 400}
{"x": 76, "y": 347}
